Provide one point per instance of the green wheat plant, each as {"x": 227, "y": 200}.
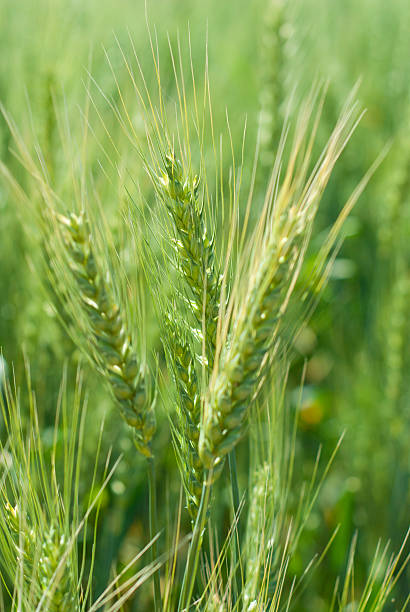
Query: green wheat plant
{"x": 45, "y": 525}
{"x": 259, "y": 305}
{"x": 38, "y": 553}
{"x": 221, "y": 281}
{"x": 188, "y": 412}
{"x": 194, "y": 248}
{"x": 275, "y": 85}
{"x": 111, "y": 344}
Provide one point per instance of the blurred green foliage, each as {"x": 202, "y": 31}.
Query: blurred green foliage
{"x": 356, "y": 347}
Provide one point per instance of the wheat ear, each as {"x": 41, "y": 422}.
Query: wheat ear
{"x": 234, "y": 387}
{"x": 275, "y": 78}
{"x": 40, "y": 556}
{"x": 113, "y": 351}
{"x": 195, "y": 257}
{"x": 186, "y": 431}
{"x": 280, "y": 244}
{"x": 195, "y": 254}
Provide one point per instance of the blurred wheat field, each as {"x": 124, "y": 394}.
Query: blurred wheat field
{"x": 204, "y": 388}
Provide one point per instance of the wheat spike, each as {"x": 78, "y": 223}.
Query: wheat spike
{"x": 279, "y": 247}
{"x": 113, "y": 350}
{"x": 40, "y": 556}
{"x": 233, "y": 389}
{"x": 186, "y": 430}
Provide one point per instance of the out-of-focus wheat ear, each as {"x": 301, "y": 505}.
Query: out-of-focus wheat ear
{"x": 41, "y": 554}
{"x": 195, "y": 252}
{"x": 113, "y": 353}
{"x": 256, "y": 548}
{"x": 275, "y": 70}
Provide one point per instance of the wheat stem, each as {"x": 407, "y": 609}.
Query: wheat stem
{"x": 191, "y": 567}
{"x": 153, "y": 529}
{"x": 235, "y": 541}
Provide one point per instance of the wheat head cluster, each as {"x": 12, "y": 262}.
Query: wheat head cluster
{"x": 225, "y": 276}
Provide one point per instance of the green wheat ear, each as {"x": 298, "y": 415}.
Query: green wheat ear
{"x": 40, "y": 554}
{"x": 263, "y": 483}
{"x": 275, "y": 81}
{"x": 188, "y": 409}
{"x": 195, "y": 261}
{"x": 233, "y": 388}
{"x": 113, "y": 351}
{"x": 276, "y": 255}
{"x": 195, "y": 254}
